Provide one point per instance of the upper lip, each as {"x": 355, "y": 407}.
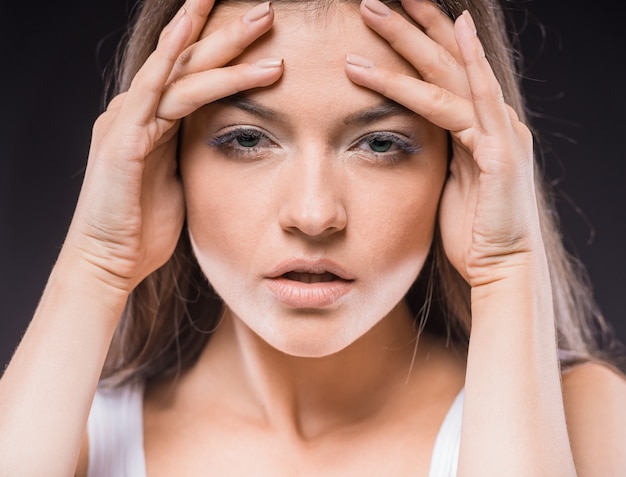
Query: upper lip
{"x": 310, "y": 266}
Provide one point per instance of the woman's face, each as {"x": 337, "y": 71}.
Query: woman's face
{"x": 311, "y": 204}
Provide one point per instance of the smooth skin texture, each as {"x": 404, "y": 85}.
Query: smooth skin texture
{"x": 310, "y": 185}
{"x": 351, "y": 411}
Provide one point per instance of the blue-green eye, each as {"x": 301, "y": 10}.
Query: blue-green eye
{"x": 386, "y": 147}
{"x": 242, "y": 142}
{"x": 380, "y": 145}
{"x": 248, "y": 140}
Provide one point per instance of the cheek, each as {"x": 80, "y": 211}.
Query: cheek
{"x": 221, "y": 215}
{"x": 399, "y": 215}
{"x": 403, "y": 233}
{"x": 229, "y": 215}
{"x": 211, "y": 203}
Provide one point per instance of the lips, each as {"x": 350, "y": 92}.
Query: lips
{"x": 307, "y": 277}
{"x": 322, "y": 267}
{"x": 309, "y": 284}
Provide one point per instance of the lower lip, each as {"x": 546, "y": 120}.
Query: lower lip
{"x": 308, "y": 295}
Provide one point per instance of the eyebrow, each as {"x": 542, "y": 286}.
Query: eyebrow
{"x": 380, "y": 111}
{"x": 246, "y": 104}
{"x": 383, "y": 110}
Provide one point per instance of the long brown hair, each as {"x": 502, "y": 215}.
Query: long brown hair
{"x": 170, "y": 315}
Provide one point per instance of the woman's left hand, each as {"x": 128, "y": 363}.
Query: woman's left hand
{"x": 488, "y": 213}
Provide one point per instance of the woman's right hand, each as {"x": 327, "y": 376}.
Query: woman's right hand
{"x": 126, "y": 224}
{"x": 131, "y": 209}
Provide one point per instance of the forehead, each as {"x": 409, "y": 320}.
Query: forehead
{"x": 313, "y": 37}
{"x": 314, "y": 41}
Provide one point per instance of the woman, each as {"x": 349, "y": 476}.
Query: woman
{"x": 359, "y": 192}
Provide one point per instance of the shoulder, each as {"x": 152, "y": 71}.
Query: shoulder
{"x": 594, "y": 396}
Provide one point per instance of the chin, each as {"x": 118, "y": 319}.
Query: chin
{"x": 310, "y": 347}
{"x": 308, "y": 335}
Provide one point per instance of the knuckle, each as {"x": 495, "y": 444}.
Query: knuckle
{"x": 512, "y": 113}
{"x": 446, "y": 58}
{"x": 181, "y": 90}
{"x": 116, "y": 102}
{"x": 441, "y": 96}
{"x": 240, "y": 35}
{"x": 397, "y": 32}
{"x": 403, "y": 27}
{"x": 183, "y": 59}
{"x": 496, "y": 90}
{"x": 243, "y": 76}
{"x": 384, "y": 82}
{"x": 100, "y": 125}
{"x": 490, "y": 88}
{"x": 525, "y": 134}
{"x": 433, "y": 13}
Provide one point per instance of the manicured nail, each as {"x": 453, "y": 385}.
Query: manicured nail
{"x": 176, "y": 20}
{"x": 470, "y": 21}
{"x": 258, "y": 12}
{"x": 361, "y": 62}
{"x": 377, "y": 7}
{"x": 269, "y": 63}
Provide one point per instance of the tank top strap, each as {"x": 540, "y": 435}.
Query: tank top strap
{"x": 115, "y": 430}
{"x": 445, "y": 458}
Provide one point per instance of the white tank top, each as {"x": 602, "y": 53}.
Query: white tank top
{"x": 115, "y": 429}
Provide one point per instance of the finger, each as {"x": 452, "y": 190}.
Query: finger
{"x": 189, "y": 93}
{"x": 145, "y": 91}
{"x": 434, "y": 63}
{"x": 436, "y": 104}
{"x": 490, "y": 108}
{"x": 198, "y": 11}
{"x": 437, "y": 25}
{"x": 117, "y": 102}
{"x": 221, "y": 46}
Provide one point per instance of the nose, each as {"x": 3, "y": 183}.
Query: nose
{"x": 312, "y": 201}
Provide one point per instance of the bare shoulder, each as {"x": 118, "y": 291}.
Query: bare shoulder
{"x": 594, "y": 396}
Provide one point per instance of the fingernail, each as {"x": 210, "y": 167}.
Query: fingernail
{"x": 269, "y": 63}
{"x": 176, "y": 20}
{"x": 377, "y": 7}
{"x": 470, "y": 21}
{"x": 361, "y": 62}
{"x": 258, "y": 12}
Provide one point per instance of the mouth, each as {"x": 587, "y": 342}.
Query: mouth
{"x": 310, "y": 277}
{"x": 309, "y": 284}
{"x": 311, "y": 271}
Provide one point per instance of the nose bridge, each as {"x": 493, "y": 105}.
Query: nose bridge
{"x": 313, "y": 202}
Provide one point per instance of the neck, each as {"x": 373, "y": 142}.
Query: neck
{"x": 313, "y": 396}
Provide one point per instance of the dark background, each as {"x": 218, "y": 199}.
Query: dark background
{"x": 54, "y": 54}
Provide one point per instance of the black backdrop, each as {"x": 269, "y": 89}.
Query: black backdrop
{"x": 53, "y": 55}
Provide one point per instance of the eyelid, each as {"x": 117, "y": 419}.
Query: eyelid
{"x": 227, "y": 138}
{"x": 407, "y": 143}
{"x": 229, "y": 133}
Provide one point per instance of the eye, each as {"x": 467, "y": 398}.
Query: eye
{"x": 242, "y": 141}
{"x": 385, "y": 147}
{"x": 380, "y": 145}
{"x": 247, "y": 139}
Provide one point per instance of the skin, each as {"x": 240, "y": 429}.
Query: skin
{"x": 351, "y": 409}
{"x": 312, "y": 189}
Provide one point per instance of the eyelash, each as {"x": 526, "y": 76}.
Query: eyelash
{"x": 400, "y": 147}
{"x": 226, "y": 142}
